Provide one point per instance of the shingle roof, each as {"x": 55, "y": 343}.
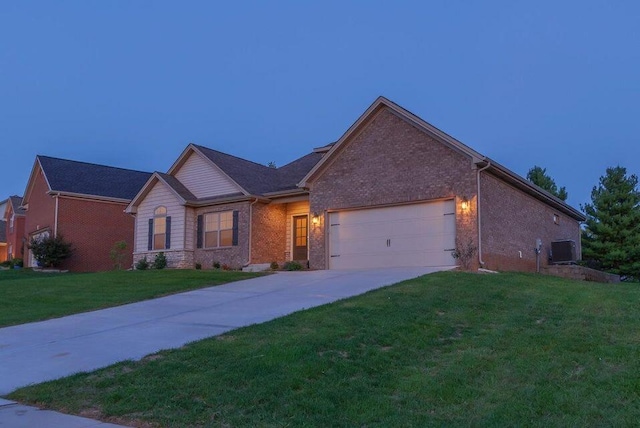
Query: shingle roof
{"x": 92, "y": 179}
{"x": 16, "y": 202}
{"x": 3, "y": 231}
{"x": 293, "y": 172}
{"x": 177, "y": 186}
{"x": 258, "y": 179}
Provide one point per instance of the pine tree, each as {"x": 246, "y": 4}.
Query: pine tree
{"x": 611, "y": 237}
{"x": 539, "y": 177}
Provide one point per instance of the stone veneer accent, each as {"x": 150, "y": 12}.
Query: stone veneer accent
{"x": 179, "y": 259}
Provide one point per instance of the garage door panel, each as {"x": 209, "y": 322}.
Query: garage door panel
{"x": 409, "y": 235}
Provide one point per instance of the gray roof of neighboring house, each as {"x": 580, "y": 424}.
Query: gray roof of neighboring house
{"x": 16, "y": 202}
{"x": 92, "y": 179}
{"x": 258, "y": 179}
{"x": 3, "y": 231}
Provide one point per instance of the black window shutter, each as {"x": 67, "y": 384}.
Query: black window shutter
{"x": 235, "y": 228}
{"x": 167, "y": 241}
{"x": 150, "y": 242}
{"x": 199, "y": 233}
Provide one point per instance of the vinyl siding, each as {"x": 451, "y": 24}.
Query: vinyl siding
{"x": 190, "y": 229}
{"x": 293, "y": 209}
{"x": 160, "y": 195}
{"x": 203, "y": 179}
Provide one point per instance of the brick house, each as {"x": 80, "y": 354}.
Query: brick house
{"x": 392, "y": 191}
{"x": 84, "y": 203}
{"x": 14, "y": 216}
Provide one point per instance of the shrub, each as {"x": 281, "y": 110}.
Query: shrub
{"x": 198, "y": 266}
{"x": 17, "y": 262}
{"x": 118, "y": 253}
{"x": 226, "y": 267}
{"x": 216, "y": 265}
{"x": 160, "y": 262}
{"x": 274, "y": 266}
{"x": 50, "y": 251}
{"x": 6, "y": 263}
{"x": 292, "y": 266}
{"x": 142, "y": 264}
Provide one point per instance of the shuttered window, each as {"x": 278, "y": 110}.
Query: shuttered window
{"x": 217, "y": 230}
{"x": 160, "y": 230}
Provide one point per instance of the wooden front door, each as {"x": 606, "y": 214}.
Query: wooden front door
{"x": 300, "y": 237}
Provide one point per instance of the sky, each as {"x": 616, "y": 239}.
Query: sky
{"x": 131, "y": 83}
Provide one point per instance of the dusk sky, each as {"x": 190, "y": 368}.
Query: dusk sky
{"x": 131, "y": 83}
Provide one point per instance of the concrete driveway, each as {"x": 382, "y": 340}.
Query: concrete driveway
{"x": 37, "y": 352}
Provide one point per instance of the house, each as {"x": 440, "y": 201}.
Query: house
{"x": 84, "y": 203}
{"x": 3, "y": 241}
{"x": 392, "y": 191}
{"x": 14, "y": 216}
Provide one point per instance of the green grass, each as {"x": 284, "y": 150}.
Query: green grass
{"x": 445, "y": 349}
{"x": 27, "y": 296}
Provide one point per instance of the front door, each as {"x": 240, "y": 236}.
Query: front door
{"x": 300, "y": 237}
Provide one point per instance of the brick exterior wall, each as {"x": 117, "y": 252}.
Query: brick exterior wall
{"x": 511, "y": 223}
{"x": 16, "y": 239}
{"x": 41, "y": 212}
{"x": 268, "y": 239}
{"x": 390, "y": 161}
{"x": 93, "y": 227}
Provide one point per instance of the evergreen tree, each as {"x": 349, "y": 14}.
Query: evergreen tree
{"x": 611, "y": 238}
{"x": 539, "y": 177}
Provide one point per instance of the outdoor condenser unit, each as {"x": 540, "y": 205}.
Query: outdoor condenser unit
{"x": 563, "y": 251}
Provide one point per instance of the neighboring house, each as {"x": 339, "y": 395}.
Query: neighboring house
{"x": 392, "y": 191}
{"x": 84, "y": 203}
{"x": 3, "y": 241}
{"x": 15, "y": 222}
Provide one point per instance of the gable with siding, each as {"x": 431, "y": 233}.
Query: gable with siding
{"x": 204, "y": 179}
{"x": 160, "y": 195}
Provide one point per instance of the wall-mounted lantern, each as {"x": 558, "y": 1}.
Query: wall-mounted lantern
{"x": 315, "y": 219}
{"x": 464, "y": 205}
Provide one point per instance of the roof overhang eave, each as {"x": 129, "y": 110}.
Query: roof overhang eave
{"x": 514, "y": 179}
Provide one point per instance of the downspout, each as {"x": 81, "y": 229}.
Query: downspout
{"x": 250, "y": 230}
{"x": 55, "y": 220}
{"x": 480, "y": 261}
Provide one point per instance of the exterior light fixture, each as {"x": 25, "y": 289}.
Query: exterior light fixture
{"x": 315, "y": 219}
{"x": 464, "y": 204}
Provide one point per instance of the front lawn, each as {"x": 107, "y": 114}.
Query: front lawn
{"x": 447, "y": 349}
{"x": 27, "y": 296}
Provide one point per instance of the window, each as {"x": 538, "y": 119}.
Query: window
{"x": 10, "y": 255}
{"x": 11, "y": 220}
{"x": 556, "y": 219}
{"x": 159, "y": 230}
{"x": 218, "y": 229}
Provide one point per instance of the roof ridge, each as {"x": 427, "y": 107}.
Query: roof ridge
{"x": 233, "y": 156}
{"x": 93, "y": 163}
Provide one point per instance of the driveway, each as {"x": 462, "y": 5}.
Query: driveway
{"x": 37, "y": 352}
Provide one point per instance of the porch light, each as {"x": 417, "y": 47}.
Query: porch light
{"x": 464, "y": 204}
{"x": 315, "y": 219}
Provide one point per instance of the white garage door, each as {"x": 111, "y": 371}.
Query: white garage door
{"x": 407, "y": 235}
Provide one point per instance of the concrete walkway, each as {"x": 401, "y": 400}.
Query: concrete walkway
{"x": 37, "y": 352}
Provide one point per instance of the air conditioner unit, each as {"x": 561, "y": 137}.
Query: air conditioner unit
{"x": 563, "y": 251}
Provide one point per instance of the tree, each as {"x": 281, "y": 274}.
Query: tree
{"x": 539, "y": 177}
{"x": 50, "y": 251}
{"x": 611, "y": 238}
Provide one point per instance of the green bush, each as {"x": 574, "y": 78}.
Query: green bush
{"x": 216, "y": 265}
{"x": 50, "y": 251}
{"x": 17, "y": 262}
{"x": 274, "y": 266}
{"x": 292, "y": 266}
{"x": 198, "y": 266}
{"x": 160, "y": 262}
{"x": 142, "y": 264}
{"x": 118, "y": 253}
